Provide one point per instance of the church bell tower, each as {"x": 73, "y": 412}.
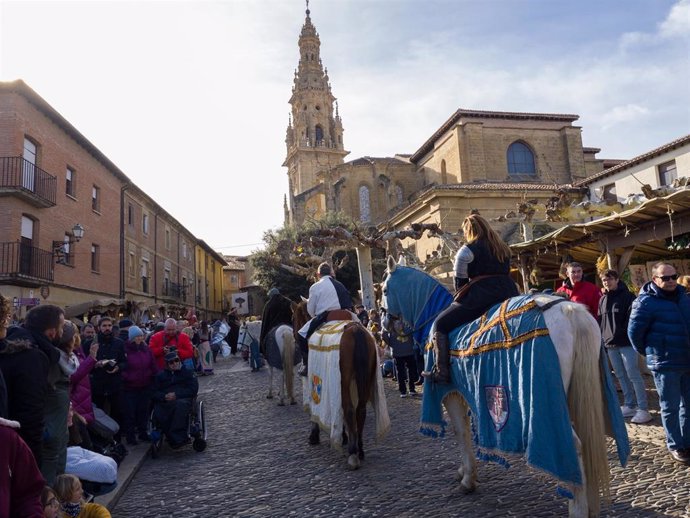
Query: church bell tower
{"x": 314, "y": 137}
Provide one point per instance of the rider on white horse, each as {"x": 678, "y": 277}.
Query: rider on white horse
{"x": 277, "y": 311}
{"x": 482, "y": 268}
{"x": 327, "y": 294}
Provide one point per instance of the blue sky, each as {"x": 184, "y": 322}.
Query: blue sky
{"x": 189, "y": 98}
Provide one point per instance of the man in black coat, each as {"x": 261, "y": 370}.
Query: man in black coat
{"x": 106, "y": 377}
{"x": 174, "y": 389}
{"x": 277, "y": 311}
{"x": 24, "y": 362}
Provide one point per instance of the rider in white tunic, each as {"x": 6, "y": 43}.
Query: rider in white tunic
{"x": 327, "y": 294}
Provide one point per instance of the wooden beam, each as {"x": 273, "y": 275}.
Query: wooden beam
{"x": 625, "y": 259}
{"x": 653, "y": 231}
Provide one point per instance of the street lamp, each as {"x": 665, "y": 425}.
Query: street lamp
{"x": 61, "y": 249}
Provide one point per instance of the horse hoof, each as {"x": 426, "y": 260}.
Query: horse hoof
{"x": 361, "y": 455}
{"x": 281, "y": 404}
{"x": 353, "y": 462}
{"x": 293, "y": 402}
{"x": 269, "y": 396}
{"x": 466, "y": 490}
{"x": 313, "y": 441}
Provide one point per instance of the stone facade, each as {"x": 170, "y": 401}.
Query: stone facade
{"x": 488, "y": 160}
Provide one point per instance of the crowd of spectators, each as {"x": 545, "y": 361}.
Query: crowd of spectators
{"x": 71, "y": 395}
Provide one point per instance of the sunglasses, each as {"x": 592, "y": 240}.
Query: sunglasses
{"x": 667, "y": 278}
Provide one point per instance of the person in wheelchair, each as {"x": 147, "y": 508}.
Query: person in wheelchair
{"x": 174, "y": 391}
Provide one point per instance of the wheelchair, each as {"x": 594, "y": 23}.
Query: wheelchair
{"x": 196, "y": 429}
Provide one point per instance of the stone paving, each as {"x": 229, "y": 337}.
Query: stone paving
{"x": 258, "y": 463}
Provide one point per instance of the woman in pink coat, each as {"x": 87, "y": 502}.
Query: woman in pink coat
{"x": 80, "y": 390}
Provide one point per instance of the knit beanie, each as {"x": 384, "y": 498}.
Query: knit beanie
{"x": 135, "y": 331}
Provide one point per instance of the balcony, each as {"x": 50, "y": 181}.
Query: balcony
{"x": 175, "y": 291}
{"x": 25, "y": 265}
{"x": 19, "y": 177}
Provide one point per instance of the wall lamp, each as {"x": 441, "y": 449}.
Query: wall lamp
{"x": 61, "y": 249}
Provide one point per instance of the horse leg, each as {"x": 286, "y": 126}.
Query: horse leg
{"x": 344, "y": 439}
{"x": 578, "y": 506}
{"x": 459, "y": 416}
{"x": 361, "y": 417}
{"x": 270, "y": 383}
{"x": 281, "y": 391}
{"x": 346, "y": 385}
{"x": 314, "y": 435}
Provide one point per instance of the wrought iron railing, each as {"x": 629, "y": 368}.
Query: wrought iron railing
{"x": 21, "y": 261}
{"x": 19, "y": 174}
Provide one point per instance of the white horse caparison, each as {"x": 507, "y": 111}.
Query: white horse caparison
{"x": 577, "y": 340}
{"x": 285, "y": 340}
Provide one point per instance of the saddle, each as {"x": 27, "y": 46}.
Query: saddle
{"x": 338, "y": 314}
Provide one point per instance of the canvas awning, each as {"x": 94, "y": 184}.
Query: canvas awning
{"x": 97, "y": 305}
{"x": 640, "y": 233}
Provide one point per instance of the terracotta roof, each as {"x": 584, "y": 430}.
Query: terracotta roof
{"x": 496, "y": 186}
{"x": 235, "y": 262}
{"x": 460, "y": 113}
{"x": 637, "y": 160}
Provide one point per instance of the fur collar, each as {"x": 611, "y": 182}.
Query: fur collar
{"x": 17, "y": 346}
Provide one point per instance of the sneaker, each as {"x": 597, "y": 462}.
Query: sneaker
{"x": 641, "y": 416}
{"x": 403, "y": 395}
{"x": 413, "y": 393}
{"x": 682, "y": 456}
{"x": 627, "y": 411}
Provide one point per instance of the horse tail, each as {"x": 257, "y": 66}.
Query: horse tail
{"x": 360, "y": 362}
{"x": 586, "y": 403}
{"x": 288, "y": 359}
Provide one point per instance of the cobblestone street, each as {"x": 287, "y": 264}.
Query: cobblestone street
{"x": 258, "y": 463}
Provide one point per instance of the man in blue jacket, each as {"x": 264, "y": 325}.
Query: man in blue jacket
{"x": 660, "y": 328}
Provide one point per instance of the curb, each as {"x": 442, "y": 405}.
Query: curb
{"x": 125, "y": 473}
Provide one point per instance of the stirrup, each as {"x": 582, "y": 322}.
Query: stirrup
{"x": 436, "y": 376}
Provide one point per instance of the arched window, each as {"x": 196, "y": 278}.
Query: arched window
{"x": 444, "y": 175}
{"x": 319, "y": 134}
{"x": 364, "y": 207}
{"x": 399, "y": 194}
{"x": 520, "y": 159}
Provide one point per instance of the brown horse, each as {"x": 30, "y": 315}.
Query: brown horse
{"x": 358, "y": 370}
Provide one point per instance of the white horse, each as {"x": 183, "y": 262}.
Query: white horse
{"x": 408, "y": 293}
{"x": 248, "y": 339}
{"x": 285, "y": 342}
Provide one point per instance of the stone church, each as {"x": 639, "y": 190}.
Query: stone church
{"x": 494, "y": 162}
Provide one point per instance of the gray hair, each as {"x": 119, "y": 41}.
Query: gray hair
{"x": 325, "y": 269}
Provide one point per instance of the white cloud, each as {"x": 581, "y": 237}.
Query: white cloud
{"x": 678, "y": 21}
{"x": 622, "y": 114}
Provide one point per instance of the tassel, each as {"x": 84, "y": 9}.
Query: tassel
{"x": 564, "y": 492}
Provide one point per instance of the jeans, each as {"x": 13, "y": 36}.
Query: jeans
{"x": 407, "y": 372}
{"x": 673, "y": 387}
{"x": 624, "y": 363}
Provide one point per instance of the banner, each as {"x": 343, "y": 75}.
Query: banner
{"x": 240, "y": 301}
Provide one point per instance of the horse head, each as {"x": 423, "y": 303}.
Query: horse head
{"x": 412, "y": 295}
{"x": 300, "y": 315}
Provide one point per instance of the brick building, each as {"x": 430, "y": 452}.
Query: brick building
{"x": 134, "y": 259}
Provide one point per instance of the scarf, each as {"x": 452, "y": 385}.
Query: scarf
{"x": 70, "y": 509}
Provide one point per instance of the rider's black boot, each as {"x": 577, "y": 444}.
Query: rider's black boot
{"x": 441, "y": 371}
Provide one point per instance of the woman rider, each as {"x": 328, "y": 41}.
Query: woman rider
{"x": 482, "y": 268}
